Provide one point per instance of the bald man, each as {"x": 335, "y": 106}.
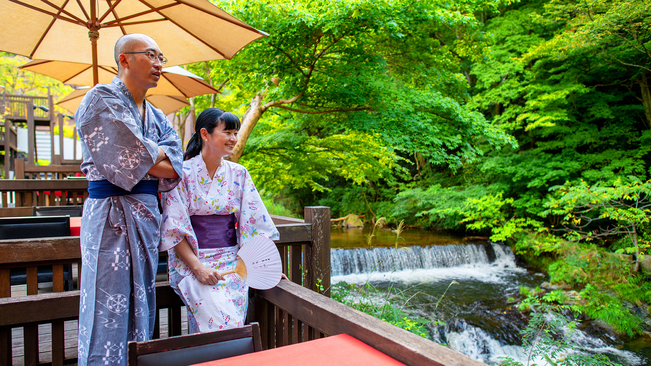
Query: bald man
{"x": 130, "y": 153}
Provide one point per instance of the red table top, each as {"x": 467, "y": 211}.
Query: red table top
{"x": 75, "y": 226}
{"x": 340, "y": 350}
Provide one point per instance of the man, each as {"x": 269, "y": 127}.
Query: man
{"x": 131, "y": 152}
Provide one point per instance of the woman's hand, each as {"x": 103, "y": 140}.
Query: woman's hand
{"x": 207, "y": 276}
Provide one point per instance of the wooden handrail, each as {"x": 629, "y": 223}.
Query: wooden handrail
{"x": 331, "y": 317}
{"x": 33, "y": 185}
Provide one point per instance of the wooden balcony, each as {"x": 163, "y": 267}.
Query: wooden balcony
{"x": 32, "y": 111}
{"x": 292, "y": 312}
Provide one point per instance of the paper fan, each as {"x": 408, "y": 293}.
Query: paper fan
{"x": 259, "y": 264}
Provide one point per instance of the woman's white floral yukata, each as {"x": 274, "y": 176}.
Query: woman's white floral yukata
{"x": 231, "y": 191}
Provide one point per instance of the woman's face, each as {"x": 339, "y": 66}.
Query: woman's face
{"x": 220, "y": 142}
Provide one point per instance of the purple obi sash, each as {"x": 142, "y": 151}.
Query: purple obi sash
{"x": 214, "y": 231}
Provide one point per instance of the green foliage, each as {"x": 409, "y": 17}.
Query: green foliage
{"x": 435, "y": 205}
{"x": 488, "y": 213}
{"x": 384, "y": 306}
{"x": 547, "y": 337}
{"x": 607, "y": 307}
{"x": 599, "y": 211}
{"x": 18, "y": 81}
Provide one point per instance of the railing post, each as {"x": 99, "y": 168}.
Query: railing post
{"x": 8, "y": 145}
{"x": 316, "y": 256}
{"x": 31, "y": 132}
{"x": 19, "y": 169}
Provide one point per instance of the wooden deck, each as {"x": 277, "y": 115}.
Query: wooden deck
{"x": 70, "y": 339}
{"x": 70, "y": 327}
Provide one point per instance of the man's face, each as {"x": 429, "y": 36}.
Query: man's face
{"x": 143, "y": 71}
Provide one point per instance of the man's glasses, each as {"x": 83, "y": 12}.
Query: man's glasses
{"x": 151, "y": 55}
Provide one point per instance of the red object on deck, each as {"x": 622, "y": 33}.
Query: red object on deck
{"x": 75, "y": 226}
{"x": 340, "y": 350}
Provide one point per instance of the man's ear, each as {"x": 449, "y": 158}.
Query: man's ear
{"x": 124, "y": 60}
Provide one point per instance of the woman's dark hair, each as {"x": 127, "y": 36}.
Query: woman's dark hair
{"x": 209, "y": 119}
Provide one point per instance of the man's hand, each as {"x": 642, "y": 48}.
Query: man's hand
{"x": 163, "y": 167}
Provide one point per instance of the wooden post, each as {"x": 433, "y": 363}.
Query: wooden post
{"x": 31, "y": 132}
{"x": 317, "y": 255}
{"x": 19, "y": 169}
{"x": 61, "y": 142}
{"x": 7, "y": 148}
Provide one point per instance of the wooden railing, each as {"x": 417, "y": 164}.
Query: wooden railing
{"x": 53, "y": 171}
{"x": 296, "y": 246}
{"x": 9, "y": 143}
{"x": 41, "y": 192}
{"x": 289, "y": 313}
{"x": 15, "y": 107}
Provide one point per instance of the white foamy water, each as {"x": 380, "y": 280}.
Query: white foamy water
{"x": 490, "y": 264}
{"x": 480, "y": 345}
{"x": 423, "y": 264}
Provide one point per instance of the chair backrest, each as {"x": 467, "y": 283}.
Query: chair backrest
{"x": 196, "y": 348}
{"x": 34, "y": 227}
{"x": 71, "y": 210}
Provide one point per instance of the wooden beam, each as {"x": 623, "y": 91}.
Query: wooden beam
{"x": 41, "y": 250}
{"x": 294, "y": 233}
{"x": 43, "y": 185}
{"x": 331, "y": 317}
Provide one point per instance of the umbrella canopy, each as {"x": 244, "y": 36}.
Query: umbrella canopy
{"x": 185, "y": 30}
{"x": 168, "y": 104}
{"x": 175, "y": 81}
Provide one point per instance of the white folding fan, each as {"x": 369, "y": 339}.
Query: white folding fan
{"x": 258, "y": 263}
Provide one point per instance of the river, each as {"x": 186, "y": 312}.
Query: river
{"x": 479, "y": 315}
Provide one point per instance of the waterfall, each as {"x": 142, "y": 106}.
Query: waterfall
{"x": 364, "y": 261}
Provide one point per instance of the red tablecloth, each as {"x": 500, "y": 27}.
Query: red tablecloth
{"x": 340, "y": 350}
{"x": 75, "y": 226}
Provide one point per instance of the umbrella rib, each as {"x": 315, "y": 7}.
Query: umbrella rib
{"x": 120, "y": 24}
{"x": 155, "y": 10}
{"x": 77, "y": 74}
{"x": 61, "y": 10}
{"x": 241, "y": 24}
{"x": 105, "y": 68}
{"x": 48, "y": 13}
{"x": 40, "y": 40}
{"x": 109, "y": 11}
{"x": 115, "y": 15}
{"x": 188, "y": 32}
{"x": 83, "y": 9}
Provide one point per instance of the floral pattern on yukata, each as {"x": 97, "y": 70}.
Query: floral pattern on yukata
{"x": 229, "y": 191}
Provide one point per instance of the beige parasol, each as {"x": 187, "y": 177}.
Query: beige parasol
{"x": 186, "y": 30}
{"x": 168, "y": 104}
{"x": 175, "y": 81}
{"x": 175, "y": 85}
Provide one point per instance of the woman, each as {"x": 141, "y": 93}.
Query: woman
{"x": 213, "y": 211}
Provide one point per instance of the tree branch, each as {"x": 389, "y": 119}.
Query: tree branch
{"x": 323, "y": 112}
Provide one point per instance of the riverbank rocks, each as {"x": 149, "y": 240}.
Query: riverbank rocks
{"x": 553, "y": 287}
{"x": 645, "y": 264}
{"x": 572, "y": 297}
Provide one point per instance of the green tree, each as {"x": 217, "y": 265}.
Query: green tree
{"x": 385, "y": 77}
{"x": 600, "y": 212}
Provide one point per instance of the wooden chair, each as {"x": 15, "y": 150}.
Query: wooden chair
{"x": 196, "y": 348}
{"x": 37, "y": 227}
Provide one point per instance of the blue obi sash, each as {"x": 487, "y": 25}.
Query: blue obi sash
{"x": 104, "y": 189}
{"x": 214, "y": 231}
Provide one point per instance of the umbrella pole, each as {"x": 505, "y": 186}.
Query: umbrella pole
{"x": 94, "y": 35}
